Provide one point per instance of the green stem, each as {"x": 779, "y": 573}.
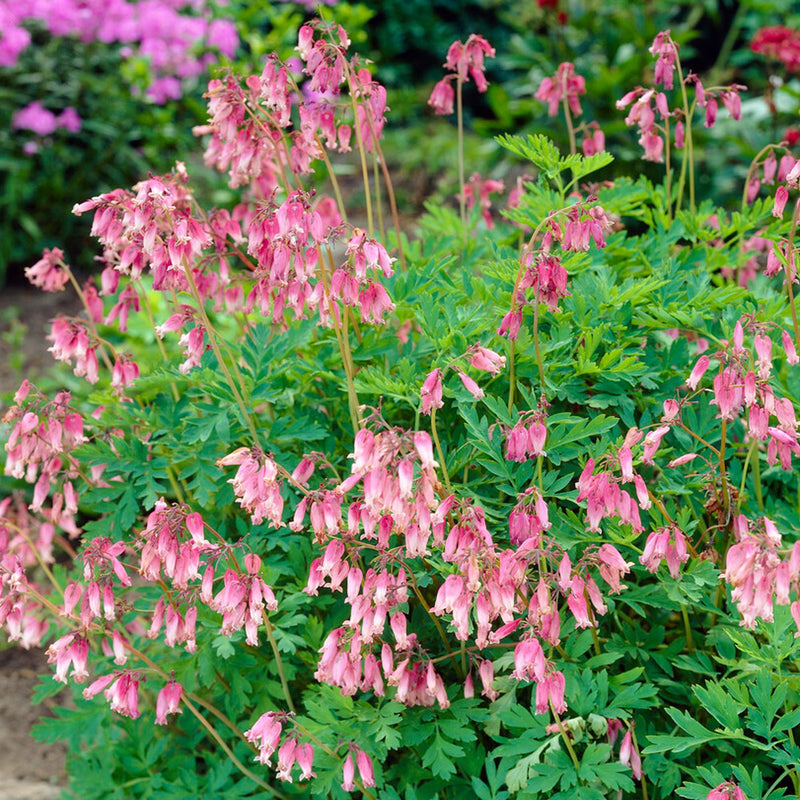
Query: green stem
{"x": 173, "y": 482}
{"x": 343, "y": 341}
{"x": 688, "y": 113}
{"x": 89, "y": 320}
{"x": 573, "y": 148}
{"x": 334, "y": 181}
{"x": 536, "y": 342}
{"x": 278, "y": 661}
{"x": 462, "y": 200}
{"x": 722, "y": 473}
{"x": 151, "y": 319}
{"x": 378, "y": 204}
{"x": 750, "y": 450}
{"x": 387, "y": 179}
{"x": 728, "y": 43}
{"x": 791, "y": 269}
{"x": 37, "y": 555}
{"x": 212, "y": 338}
{"x": 512, "y": 376}
{"x": 754, "y": 164}
{"x": 757, "y": 481}
{"x": 668, "y": 166}
{"x": 565, "y": 737}
{"x": 327, "y": 750}
{"x": 643, "y": 780}
{"x": 352, "y": 395}
{"x": 698, "y": 437}
{"x": 228, "y": 752}
{"x": 687, "y": 629}
{"x": 440, "y": 452}
{"x": 363, "y": 155}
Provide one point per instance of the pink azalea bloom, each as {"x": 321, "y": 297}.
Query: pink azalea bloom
{"x": 35, "y": 117}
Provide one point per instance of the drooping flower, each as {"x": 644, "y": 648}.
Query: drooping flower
{"x": 566, "y": 83}
{"x": 431, "y": 392}
{"x": 168, "y": 701}
{"x": 49, "y": 273}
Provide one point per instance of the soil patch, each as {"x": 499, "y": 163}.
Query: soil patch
{"x": 28, "y": 770}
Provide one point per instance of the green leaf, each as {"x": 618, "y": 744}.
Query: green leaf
{"x": 721, "y": 705}
{"x": 439, "y": 757}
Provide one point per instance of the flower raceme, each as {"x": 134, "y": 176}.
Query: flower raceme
{"x": 480, "y": 357}
{"x": 256, "y": 485}
{"x": 463, "y": 61}
{"x": 649, "y": 106}
{"x": 49, "y": 273}
{"x": 477, "y": 190}
{"x": 566, "y": 85}
{"x": 266, "y": 735}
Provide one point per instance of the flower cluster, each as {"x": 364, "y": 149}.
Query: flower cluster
{"x": 157, "y": 30}
{"x": 266, "y": 734}
{"x": 479, "y": 357}
{"x": 573, "y": 229}
{"x": 253, "y": 133}
{"x": 41, "y": 121}
{"x": 566, "y": 85}
{"x": 780, "y": 43}
{"x": 758, "y": 574}
{"x": 477, "y": 190}
{"x": 463, "y": 61}
{"x": 256, "y": 485}
{"x": 645, "y": 103}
